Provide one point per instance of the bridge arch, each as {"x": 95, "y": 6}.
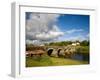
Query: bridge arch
{"x": 49, "y": 51}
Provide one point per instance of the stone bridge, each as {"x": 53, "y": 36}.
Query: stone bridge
{"x": 55, "y": 51}
{"x": 61, "y": 51}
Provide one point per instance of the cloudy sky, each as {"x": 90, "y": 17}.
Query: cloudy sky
{"x": 47, "y": 27}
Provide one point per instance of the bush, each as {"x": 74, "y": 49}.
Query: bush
{"x": 84, "y": 51}
{"x": 62, "y": 43}
{"x": 84, "y": 43}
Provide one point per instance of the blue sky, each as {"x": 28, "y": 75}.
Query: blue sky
{"x": 77, "y": 24}
{"x": 59, "y": 27}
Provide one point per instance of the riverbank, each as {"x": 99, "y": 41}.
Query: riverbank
{"x": 52, "y": 61}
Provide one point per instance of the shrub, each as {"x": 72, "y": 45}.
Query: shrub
{"x": 84, "y": 51}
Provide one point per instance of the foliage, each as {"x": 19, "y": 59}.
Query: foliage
{"x": 62, "y": 43}
{"x": 38, "y": 61}
{"x": 84, "y": 43}
{"x": 84, "y": 51}
{"x": 51, "y": 61}
{"x": 45, "y": 60}
{"x": 65, "y": 43}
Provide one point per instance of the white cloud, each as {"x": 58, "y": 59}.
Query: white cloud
{"x": 48, "y": 36}
{"x": 78, "y": 37}
{"x": 88, "y": 35}
{"x": 29, "y": 41}
{"x": 42, "y": 27}
{"x": 73, "y": 31}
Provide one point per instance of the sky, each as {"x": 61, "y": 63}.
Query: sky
{"x": 48, "y": 27}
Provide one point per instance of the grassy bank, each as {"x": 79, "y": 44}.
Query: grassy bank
{"x": 51, "y": 61}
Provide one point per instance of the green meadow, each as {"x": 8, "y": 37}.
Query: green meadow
{"x": 51, "y": 61}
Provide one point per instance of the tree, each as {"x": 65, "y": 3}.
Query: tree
{"x": 84, "y": 43}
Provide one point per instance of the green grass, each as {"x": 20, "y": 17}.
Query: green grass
{"x": 51, "y": 61}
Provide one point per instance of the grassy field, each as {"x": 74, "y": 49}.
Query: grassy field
{"x": 51, "y": 61}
